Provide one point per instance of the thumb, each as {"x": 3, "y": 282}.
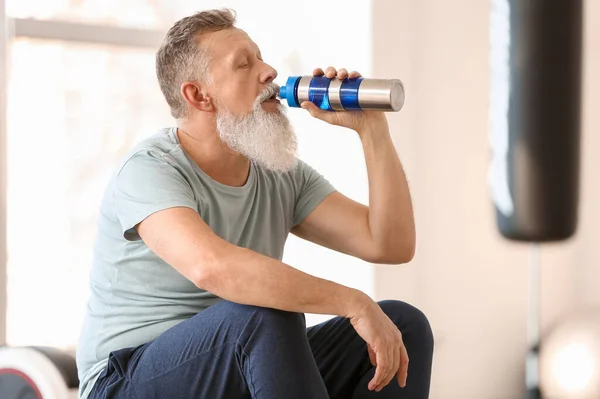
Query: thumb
{"x": 317, "y": 112}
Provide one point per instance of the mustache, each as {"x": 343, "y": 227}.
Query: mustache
{"x": 270, "y": 91}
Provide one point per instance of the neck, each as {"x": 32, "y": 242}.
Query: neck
{"x": 203, "y": 144}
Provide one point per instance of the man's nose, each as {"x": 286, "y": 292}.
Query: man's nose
{"x": 269, "y": 74}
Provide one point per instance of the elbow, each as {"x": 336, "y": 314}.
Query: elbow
{"x": 208, "y": 272}
{"x": 201, "y": 277}
{"x": 396, "y": 257}
{"x": 395, "y": 254}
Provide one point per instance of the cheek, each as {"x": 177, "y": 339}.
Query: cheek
{"x": 236, "y": 95}
{"x": 241, "y": 101}
{"x": 245, "y": 94}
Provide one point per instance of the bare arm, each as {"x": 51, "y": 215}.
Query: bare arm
{"x": 341, "y": 224}
{"x": 391, "y": 218}
{"x": 383, "y": 232}
{"x": 182, "y": 239}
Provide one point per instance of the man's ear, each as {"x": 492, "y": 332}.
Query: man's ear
{"x": 196, "y": 97}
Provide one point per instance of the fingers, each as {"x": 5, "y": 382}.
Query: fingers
{"x": 395, "y": 367}
{"x": 395, "y": 364}
{"x": 318, "y": 112}
{"x": 389, "y": 364}
{"x": 403, "y": 371}
{"x": 341, "y": 73}
{"x": 330, "y": 72}
{"x": 382, "y": 369}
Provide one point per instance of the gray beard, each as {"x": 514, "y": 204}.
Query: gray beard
{"x": 266, "y": 138}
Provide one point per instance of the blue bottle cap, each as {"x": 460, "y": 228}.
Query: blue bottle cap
{"x": 288, "y": 91}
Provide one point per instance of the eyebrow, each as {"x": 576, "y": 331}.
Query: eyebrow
{"x": 237, "y": 53}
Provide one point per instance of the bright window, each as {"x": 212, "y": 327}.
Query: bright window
{"x": 74, "y": 111}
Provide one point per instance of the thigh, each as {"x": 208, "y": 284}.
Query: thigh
{"x": 199, "y": 357}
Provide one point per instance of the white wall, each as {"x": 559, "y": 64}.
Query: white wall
{"x": 3, "y": 255}
{"x": 470, "y": 282}
{"x": 585, "y": 251}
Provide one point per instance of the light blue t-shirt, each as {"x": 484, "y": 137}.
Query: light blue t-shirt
{"x": 135, "y": 295}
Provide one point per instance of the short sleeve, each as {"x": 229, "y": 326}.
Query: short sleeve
{"x": 313, "y": 188}
{"x": 145, "y": 185}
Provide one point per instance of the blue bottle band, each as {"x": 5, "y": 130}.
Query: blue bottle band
{"x": 317, "y": 92}
{"x": 349, "y": 93}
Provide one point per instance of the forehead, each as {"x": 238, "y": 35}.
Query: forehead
{"x": 226, "y": 43}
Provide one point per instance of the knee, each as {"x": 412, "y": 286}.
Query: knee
{"x": 408, "y": 319}
{"x": 272, "y": 322}
{"x": 275, "y": 319}
{"x": 239, "y": 316}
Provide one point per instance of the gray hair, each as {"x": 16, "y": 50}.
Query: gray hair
{"x": 181, "y": 56}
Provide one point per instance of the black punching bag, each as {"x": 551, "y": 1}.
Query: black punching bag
{"x": 535, "y": 117}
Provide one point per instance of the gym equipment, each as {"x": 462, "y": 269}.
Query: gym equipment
{"x": 535, "y": 125}
{"x": 535, "y": 117}
{"x": 37, "y": 373}
{"x": 344, "y": 95}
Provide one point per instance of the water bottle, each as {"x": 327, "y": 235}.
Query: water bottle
{"x": 344, "y": 95}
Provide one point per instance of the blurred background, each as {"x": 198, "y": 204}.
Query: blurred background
{"x": 79, "y": 89}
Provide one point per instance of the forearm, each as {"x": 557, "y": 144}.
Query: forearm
{"x": 391, "y": 217}
{"x": 244, "y": 276}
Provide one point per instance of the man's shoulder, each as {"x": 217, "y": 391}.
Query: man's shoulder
{"x": 160, "y": 145}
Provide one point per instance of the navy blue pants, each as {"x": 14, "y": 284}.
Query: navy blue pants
{"x": 235, "y": 351}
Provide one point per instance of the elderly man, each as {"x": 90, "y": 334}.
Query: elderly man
{"x": 189, "y": 296}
